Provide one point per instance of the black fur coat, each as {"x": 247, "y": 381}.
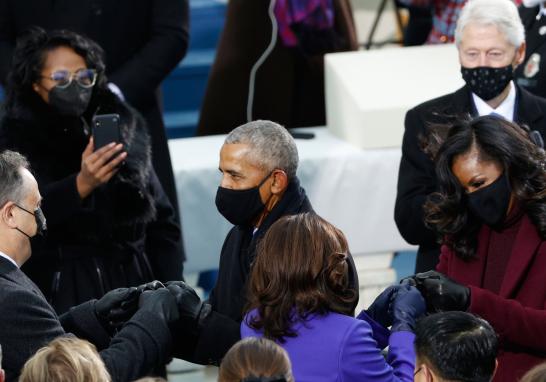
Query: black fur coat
{"x": 123, "y": 234}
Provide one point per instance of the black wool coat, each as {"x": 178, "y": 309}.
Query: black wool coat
{"x": 123, "y": 234}
{"x": 143, "y": 41}
{"x": 531, "y": 74}
{"x": 417, "y": 176}
{"x": 229, "y": 296}
{"x": 28, "y": 323}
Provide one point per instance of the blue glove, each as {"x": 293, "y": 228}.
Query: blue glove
{"x": 407, "y": 306}
{"x": 379, "y": 309}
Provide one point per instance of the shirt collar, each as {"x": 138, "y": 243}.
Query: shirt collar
{"x": 2, "y": 254}
{"x": 542, "y": 10}
{"x": 505, "y": 109}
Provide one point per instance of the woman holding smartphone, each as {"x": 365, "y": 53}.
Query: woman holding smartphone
{"x": 109, "y": 222}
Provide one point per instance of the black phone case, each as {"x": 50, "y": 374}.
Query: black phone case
{"x": 105, "y": 129}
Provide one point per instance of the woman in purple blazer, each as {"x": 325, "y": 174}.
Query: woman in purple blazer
{"x": 299, "y": 296}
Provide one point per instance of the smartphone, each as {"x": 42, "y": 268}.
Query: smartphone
{"x": 105, "y": 130}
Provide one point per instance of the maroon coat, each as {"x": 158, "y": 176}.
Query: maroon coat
{"x": 518, "y": 312}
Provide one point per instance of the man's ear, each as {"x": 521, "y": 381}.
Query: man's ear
{"x": 428, "y": 374}
{"x": 280, "y": 182}
{"x": 6, "y": 213}
{"x": 2, "y": 375}
{"x": 520, "y": 54}
{"x": 496, "y": 368}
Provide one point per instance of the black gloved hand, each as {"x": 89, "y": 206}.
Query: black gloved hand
{"x": 379, "y": 309}
{"x": 190, "y": 307}
{"x": 152, "y": 285}
{"x": 159, "y": 301}
{"x": 116, "y": 307}
{"x": 407, "y": 306}
{"x": 442, "y": 293}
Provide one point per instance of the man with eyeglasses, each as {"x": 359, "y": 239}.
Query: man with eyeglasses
{"x": 28, "y": 322}
{"x": 455, "y": 346}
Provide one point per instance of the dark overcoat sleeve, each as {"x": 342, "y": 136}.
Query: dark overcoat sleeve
{"x": 167, "y": 45}
{"x": 7, "y": 39}
{"x": 416, "y": 180}
{"x": 163, "y": 238}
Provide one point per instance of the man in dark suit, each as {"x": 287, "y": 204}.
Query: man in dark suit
{"x": 143, "y": 41}
{"x": 531, "y": 74}
{"x": 489, "y": 51}
{"x": 259, "y": 185}
{"x": 28, "y": 322}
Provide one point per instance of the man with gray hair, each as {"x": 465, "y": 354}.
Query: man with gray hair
{"x": 491, "y": 43}
{"x": 28, "y": 322}
{"x": 258, "y": 162}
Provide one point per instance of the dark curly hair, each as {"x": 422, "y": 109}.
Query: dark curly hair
{"x": 301, "y": 269}
{"x": 29, "y": 58}
{"x": 497, "y": 140}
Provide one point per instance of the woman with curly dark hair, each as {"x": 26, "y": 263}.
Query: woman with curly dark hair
{"x": 299, "y": 296}
{"x": 109, "y": 222}
{"x": 490, "y": 210}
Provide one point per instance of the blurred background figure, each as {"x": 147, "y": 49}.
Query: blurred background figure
{"x": 531, "y": 74}
{"x": 65, "y": 359}
{"x": 255, "y": 359}
{"x": 143, "y": 41}
{"x": 269, "y": 62}
{"x": 455, "y": 346}
{"x": 109, "y": 222}
{"x": 300, "y": 296}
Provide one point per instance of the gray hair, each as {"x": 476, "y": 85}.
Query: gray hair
{"x": 11, "y": 181}
{"x": 271, "y": 146}
{"x": 501, "y": 13}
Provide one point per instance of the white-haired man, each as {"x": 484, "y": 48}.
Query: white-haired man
{"x": 491, "y": 43}
{"x": 258, "y": 162}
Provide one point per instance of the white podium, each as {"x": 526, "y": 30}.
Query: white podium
{"x": 369, "y": 92}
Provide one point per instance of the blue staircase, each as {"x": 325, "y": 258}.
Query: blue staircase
{"x": 184, "y": 88}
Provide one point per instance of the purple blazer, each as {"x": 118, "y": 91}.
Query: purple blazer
{"x": 335, "y": 347}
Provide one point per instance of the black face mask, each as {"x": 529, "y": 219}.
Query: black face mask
{"x": 72, "y": 100}
{"x": 239, "y": 207}
{"x": 487, "y": 82}
{"x": 41, "y": 223}
{"x": 490, "y": 203}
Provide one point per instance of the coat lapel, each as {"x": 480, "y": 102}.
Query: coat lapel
{"x": 525, "y": 249}
{"x": 528, "y": 110}
{"x": 472, "y": 272}
{"x": 15, "y": 275}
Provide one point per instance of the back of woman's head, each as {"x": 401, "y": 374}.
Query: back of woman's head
{"x": 65, "y": 359}
{"x": 30, "y": 55}
{"x": 301, "y": 268}
{"x": 495, "y": 140}
{"x": 255, "y": 360}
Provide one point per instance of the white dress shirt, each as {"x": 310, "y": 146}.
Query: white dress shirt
{"x": 2, "y": 254}
{"x": 505, "y": 109}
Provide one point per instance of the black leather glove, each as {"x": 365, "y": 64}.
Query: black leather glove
{"x": 442, "y": 293}
{"x": 160, "y": 301}
{"x": 379, "y": 309}
{"x": 190, "y": 307}
{"x": 407, "y": 306}
{"x": 152, "y": 285}
{"x": 116, "y": 307}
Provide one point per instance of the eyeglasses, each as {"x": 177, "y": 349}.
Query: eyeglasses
{"x": 86, "y": 78}
{"x": 417, "y": 371}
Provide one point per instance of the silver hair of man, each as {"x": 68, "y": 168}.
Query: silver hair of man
{"x": 11, "y": 180}
{"x": 271, "y": 146}
{"x": 501, "y": 13}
